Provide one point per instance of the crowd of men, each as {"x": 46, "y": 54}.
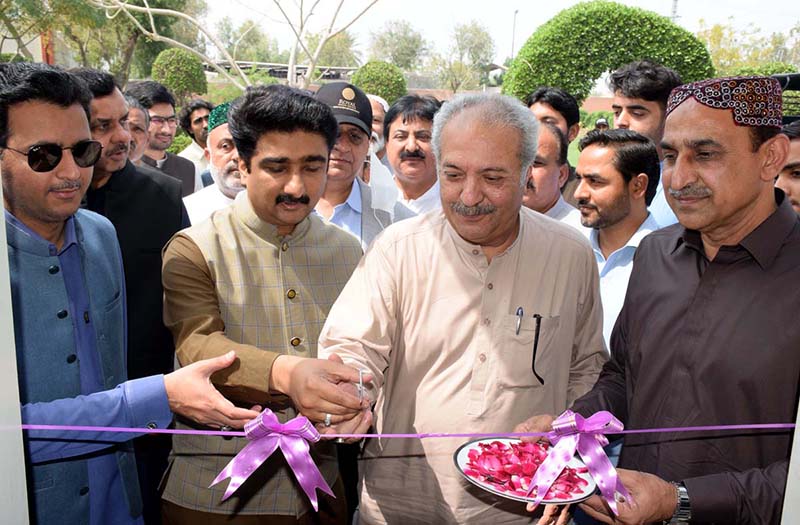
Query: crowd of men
{"x": 446, "y": 252}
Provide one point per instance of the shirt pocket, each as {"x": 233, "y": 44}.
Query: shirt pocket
{"x": 514, "y": 369}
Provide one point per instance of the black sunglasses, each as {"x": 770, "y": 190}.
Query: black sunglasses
{"x": 45, "y": 157}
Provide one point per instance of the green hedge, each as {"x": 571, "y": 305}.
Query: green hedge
{"x": 382, "y": 79}
{"x": 181, "y": 72}
{"x": 575, "y": 47}
{"x": 179, "y": 144}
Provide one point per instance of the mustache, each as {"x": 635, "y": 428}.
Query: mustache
{"x": 416, "y": 154}
{"x": 585, "y": 204}
{"x": 285, "y": 197}
{"x": 472, "y": 211}
{"x": 691, "y": 191}
{"x": 67, "y": 185}
{"x": 119, "y": 148}
{"x": 530, "y": 185}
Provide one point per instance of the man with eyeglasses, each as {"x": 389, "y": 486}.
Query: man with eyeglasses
{"x": 145, "y": 207}
{"x": 160, "y": 105}
{"x": 347, "y": 201}
{"x": 68, "y": 299}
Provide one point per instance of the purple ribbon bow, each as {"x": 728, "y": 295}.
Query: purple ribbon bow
{"x": 266, "y": 434}
{"x": 572, "y": 432}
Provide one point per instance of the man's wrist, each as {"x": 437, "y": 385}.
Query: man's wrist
{"x": 281, "y": 371}
{"x": 683, "y": 509}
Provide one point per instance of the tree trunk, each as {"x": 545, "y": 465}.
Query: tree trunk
{"x": 127, "y": 57}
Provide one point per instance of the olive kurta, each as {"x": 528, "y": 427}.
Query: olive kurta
{"x": 700, "y": 343}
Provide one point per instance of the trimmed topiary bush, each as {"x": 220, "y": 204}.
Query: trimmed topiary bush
{"x": 767, "y": 69}
{"x": 575, "y": 47}
{"x": 181, "y": 72}
{"x": 382, "y": 79}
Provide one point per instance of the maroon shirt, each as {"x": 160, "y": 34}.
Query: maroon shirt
{"x": 700, "y": 343}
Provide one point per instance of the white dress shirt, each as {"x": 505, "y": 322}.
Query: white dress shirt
{"x": 428, "y": 201}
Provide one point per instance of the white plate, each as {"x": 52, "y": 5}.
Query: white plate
{"x": 461, "y": 458}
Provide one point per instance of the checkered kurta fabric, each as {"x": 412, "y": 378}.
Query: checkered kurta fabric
{"x": 272, "y": 296}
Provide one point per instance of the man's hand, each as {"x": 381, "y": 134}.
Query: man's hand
{"x": 314, "y": 386}
{"x": 357, "y": 425}
{"x": 192, "y": 395}
{"x": 543, "y": 423}
{"x": 654, "y": 500}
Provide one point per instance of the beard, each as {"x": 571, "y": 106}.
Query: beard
{"x": 228, "y": 179}
{"x": 610, "y": 215}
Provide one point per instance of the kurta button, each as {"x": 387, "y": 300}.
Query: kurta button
{"x": 53, "y": 269}
{"x": 71, "y": 358}
{"x": 291, "y": 294}
{"x": 475, "y": 252}
{"x": 482, "y": 358}
{"x": 490, "y": 286}
{"x": 62, "y": 314}
{"x": 295, "y": 341}
{"x": 84, "y": 491}
{"x": 284, "y": 246}
{"x": 487, "y": 322}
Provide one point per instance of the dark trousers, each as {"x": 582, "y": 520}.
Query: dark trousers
{"x": 152, "y": 452}
{"x": 332, "y": 511}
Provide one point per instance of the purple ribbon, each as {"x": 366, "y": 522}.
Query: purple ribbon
{"x": 266, "y": 434}
{"x": 572, "y": 432}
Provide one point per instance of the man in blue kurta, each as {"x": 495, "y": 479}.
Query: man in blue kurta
{"x": 68, "y": 300}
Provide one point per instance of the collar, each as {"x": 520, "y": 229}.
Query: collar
{"x": 433, "y": 192}
{"x": 560, "y": 209}
{"x": 649, "y": 225}
{"x": 764, "y": 242}
{"x": 244, "y": 212}
{"x": 354, "y": 199}
{"x": 70, "y": 234}
{"x": 474, "y": 251}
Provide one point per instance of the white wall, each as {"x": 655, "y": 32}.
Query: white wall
{"x": 13, "y": 495}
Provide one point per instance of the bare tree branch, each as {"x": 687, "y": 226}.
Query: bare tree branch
{"x": 124, "y": 7}
{"x": 22, "y": 49}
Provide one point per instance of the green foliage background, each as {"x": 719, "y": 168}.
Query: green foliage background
{"x": 181, "y": 72}
{"x": 382, "y": 79}
{"x": 579, "y": 44}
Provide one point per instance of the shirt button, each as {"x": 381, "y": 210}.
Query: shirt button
{"x": 71, "y": 358}
{"x": 151, "y": 425}
{"x": 475, "y": 252}
{"x": 53, "y": 269}
{"x": 482, "y": 358}
{"x": 490, "y": 286}
{"x": 284, "y": 246}
{"x": 291, "y": 294}
{"x": 295, "y": 341}
{"x": 487, "y": 322}
{"x": 62, "y": 314}
{"x": 84, "y": 491}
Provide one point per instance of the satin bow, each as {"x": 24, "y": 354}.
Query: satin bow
{"x": 572, "y": 432}
{"x": 266, "y": 434}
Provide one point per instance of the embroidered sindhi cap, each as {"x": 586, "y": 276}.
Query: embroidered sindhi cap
{"x": 753, "y": 101}
{"x": 350, "y": 105}
{"x": 218, "y": 116}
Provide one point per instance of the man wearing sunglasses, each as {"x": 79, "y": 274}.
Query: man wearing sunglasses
{"x": 145, "y": 207}
{"x": 68, "y": 299}
{"x": 160, "y": 105}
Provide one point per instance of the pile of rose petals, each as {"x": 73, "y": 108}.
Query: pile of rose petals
{"x": 509, "y": 468}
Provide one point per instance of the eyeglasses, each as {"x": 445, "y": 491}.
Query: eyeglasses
{"x": 160, "y": 121}
{"x": 45, "y": 157}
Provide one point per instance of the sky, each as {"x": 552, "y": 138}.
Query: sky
{"x": 435, "y": 19}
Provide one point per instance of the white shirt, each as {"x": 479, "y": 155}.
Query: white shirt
{"x": 660, "y": 209}
{"x": 428, "y": 201}
{"x": 615, "y": 272}
{"x": 568, "y": 214}
{"x": 197, "y": 155}
{"x": 201, "y": 204}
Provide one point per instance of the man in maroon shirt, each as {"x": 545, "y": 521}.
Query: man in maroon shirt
{"x": 707, "y": 334}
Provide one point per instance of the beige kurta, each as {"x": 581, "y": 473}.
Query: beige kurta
{"x": 232, "y": 283}
{"x": 435, "y": 323}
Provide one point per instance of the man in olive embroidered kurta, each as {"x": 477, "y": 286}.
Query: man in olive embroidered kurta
{"x": 431, "y": 313}
{"x": 258, "y": 277}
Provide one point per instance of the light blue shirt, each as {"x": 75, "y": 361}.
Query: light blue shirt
{"x": 615, "y": 272}
{"x": 347, "y": 215}
{"x": 660, "y": 209}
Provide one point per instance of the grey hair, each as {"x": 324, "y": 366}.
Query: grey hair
{"x": 497, "y": 110}
{"x": 380, "y": 100}
{"x": 133, "y": 103}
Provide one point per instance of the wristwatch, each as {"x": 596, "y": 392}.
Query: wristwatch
{"x": 683, "y": 509}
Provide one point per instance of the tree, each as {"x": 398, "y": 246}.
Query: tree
{"x": 400, "y": 44}
{"x": 339, "y": 51}
{"x": 610, "y": 35}
{"x": 466, "y": 65}
{"x": 733, "y": 49}
{"x": 181, "y": 72}
{"x": 382, "y": 79}
{"x": 248, "y": 42}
